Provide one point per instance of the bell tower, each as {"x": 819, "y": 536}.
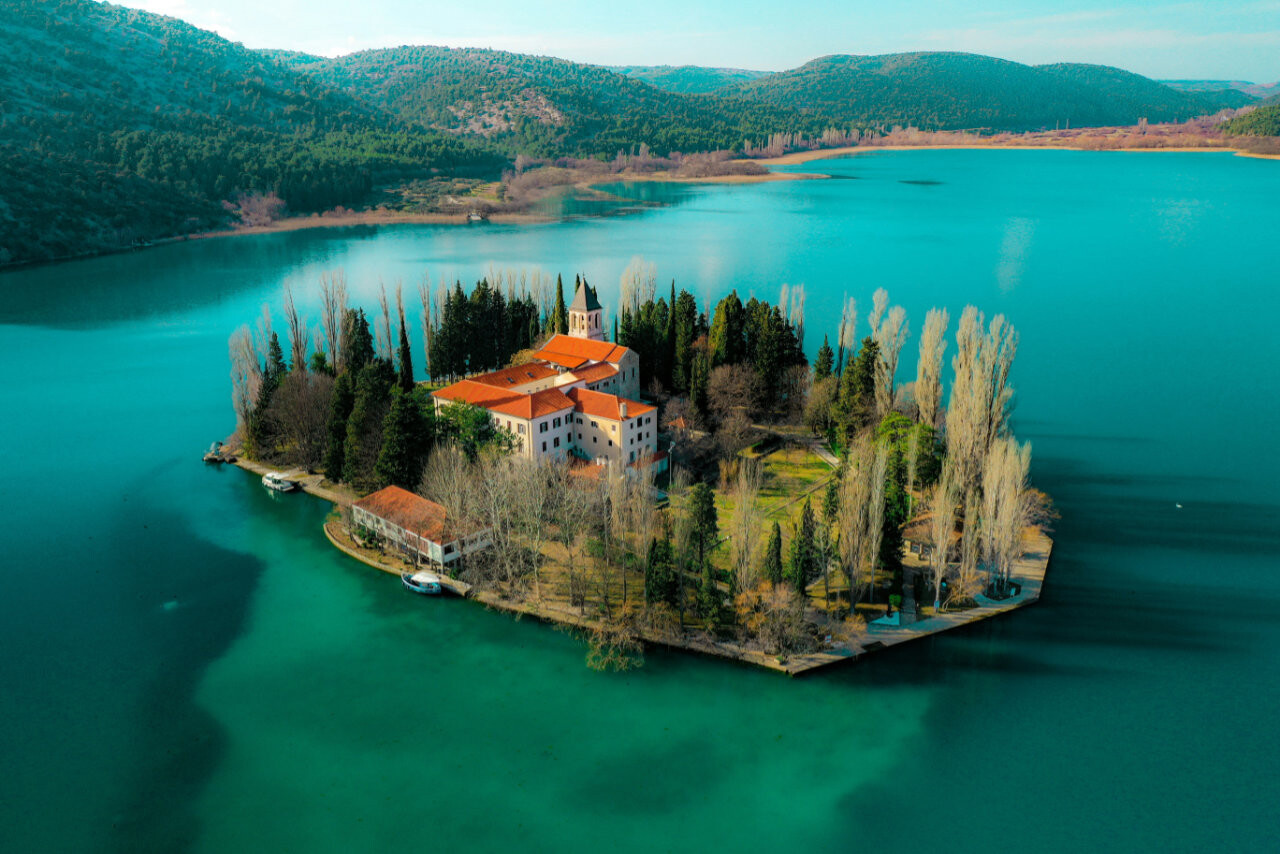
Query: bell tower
{"x": 586, "y": 315}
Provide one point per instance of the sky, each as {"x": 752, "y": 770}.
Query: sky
{"x": 1228, "y": 39}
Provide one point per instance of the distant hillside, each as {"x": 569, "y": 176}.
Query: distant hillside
{"x": 1253, "y": 90}
{"x": 947, "y": 91}
{"x": 688, "y": 79}
{"x": 540, "y": 105}
{"x": 1264, "y": 121}
{"x": 119, "y": 126}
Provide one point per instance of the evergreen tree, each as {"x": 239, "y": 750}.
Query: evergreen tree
{"x": 824, "y": 361}
{"x": 405, "y": 440}
{"x": 710, "y": 599}
{"x": 856, "y": 401}
{"x": 364, "y": 426}
{"x": 669, "y": 349}
{"x": 773, "y": 556}
{"x": 831, "y": 501}
{"x": 357, "y": 341}
{"x": 686, "y": 332}
{"x": 803, "y": 550}
{"x": 560, "y": 315}
{"x": 702, "y": 512}
{"x": 700, "y": 381}
{"x": 276, "y": 367}
{"x": 406, "y": 358}
{"x": 728, "y": 332}
{"x": 344, "y": 397}
{"x": 659, "y": 572}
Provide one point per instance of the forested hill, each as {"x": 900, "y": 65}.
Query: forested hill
{"x": 1264, "y": 121}
{"x": 688, "y": 79}
{"x": 542, "y": 106}
{"x": 949, "y": 91}
{"x": 119, "y": 126}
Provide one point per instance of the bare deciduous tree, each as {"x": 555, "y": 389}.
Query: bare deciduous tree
{"x": 875, "y": 515}
{"x": 981, "y": 397}
{"x": 246, "y": 376}
{"x": 300, "y": 406}
{"x": 299, "y": 333}
{"x": 745, "y": 524}
{"x": 384, "y": 343}
{"x": 333, "y": 306}
{"x": 1006, "y": 510}
{"x": 891, "y": 334}
{"x": 851, "y": 519}
{"x": 848, "y": 332}
{"x": 638, "y": 285}
{"x": 933, "y": 344}
{"x": 942, "y": 505}
{"x": 879, "y": 304}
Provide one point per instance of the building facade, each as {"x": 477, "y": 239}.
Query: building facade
{"x": 577, "y": 397}
{"x": 417, "y": 527}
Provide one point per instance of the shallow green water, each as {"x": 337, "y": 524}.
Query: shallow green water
{"x": 188, "y": 664}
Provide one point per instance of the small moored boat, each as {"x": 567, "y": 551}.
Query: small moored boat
{"x": 277, "y": 481}
{"x": 426, "y": 583}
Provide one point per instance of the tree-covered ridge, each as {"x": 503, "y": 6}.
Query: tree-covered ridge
{"x": 948, "y": 91}
{"x": 1264, "y": 121}
{"x": 119, "y": 126}
{"x": 541, "y": 106}
{"x": 689, "y": 79}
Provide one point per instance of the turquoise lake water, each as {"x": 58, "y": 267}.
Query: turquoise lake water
{"x": 189, "y": 666}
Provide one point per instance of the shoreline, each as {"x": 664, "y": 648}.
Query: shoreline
{"x": 1031, "y": 570}
{"x": 797, "y": 157}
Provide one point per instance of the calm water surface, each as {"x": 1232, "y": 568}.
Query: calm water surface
{"x": 189, "y": 666}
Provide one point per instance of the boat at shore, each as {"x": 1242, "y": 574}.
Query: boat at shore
{"x": 426, "y": 583}
{"x": 276, "y": 481}
{"x": 217, "y": 454}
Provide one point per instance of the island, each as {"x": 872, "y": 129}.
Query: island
{"x": 683, "y": 477}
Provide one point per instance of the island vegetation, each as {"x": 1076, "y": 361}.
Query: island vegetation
{"x": 782, "y": 527}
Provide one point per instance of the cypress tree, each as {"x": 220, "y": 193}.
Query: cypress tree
{"x": 343, "y": 399}
{"x": 773, "y": 556}
{"x": 669, "y": 347}
{"x": 858, "y": 388}
{"x": 276, "y": 367}
{"x": 406, "y": 358}
{"x": 702, "y": 510}
{"x": 560, "y": 315}
{"x": 709, "y": 599}
{"x": 803, "y": 557}
{"x": 357, "y": 341}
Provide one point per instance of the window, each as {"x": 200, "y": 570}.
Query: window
{"x": 556, "y": 423}
{"x": 448, "y": 549}
{"x": 579, "y": 437}
{"x": 633, "y": 456}
{"x": 610, "y": 443}
{"x": 542, "y": 428}
{"x": 593, "y": 440}
{"x": 556, "y": 442}
{"x": 521, "y": 429}
{"x": 595, "y": 424}
{"x": 544, "y": 447}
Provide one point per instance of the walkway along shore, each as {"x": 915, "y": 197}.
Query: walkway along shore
{"x": 1029, "y": 572}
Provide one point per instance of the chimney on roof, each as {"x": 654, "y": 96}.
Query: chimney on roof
{"x": 622, "y": 408}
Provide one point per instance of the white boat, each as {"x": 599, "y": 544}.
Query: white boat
{"x": 426, "y": 583}
{"x": 277, "y": 481}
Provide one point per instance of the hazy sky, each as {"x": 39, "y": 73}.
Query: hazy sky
{"x": 1237, "y": 39}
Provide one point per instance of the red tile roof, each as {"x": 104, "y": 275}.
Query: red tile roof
{"x": 516, "y": 375}
{"x": 596, "y": 373}
{"x": 406, "y": 510}
{"x": 603, "y": 405}
{"x": 563, "y": 349}
{"x": 506, "y": 401}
